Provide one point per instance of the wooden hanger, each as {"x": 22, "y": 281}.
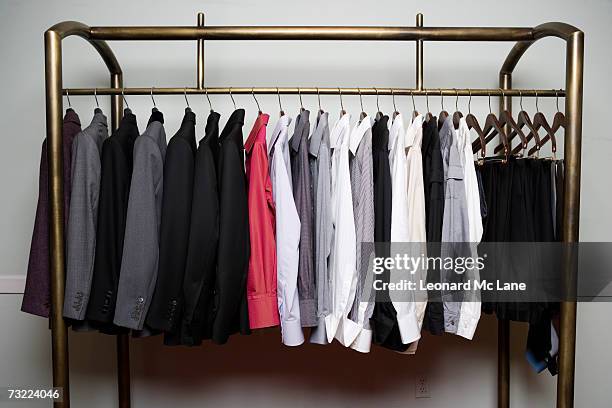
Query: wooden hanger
{"x": 559, "y": 121}
{"x": 457, "y": 115}
{"x": 472, "y": 123}
{"x": 493, "y": 123}
{"x": 524, "y": 120}
{"x": 505, "y": 118}
{"x": 443, "y": 114}
{"x": 539, "y": 121}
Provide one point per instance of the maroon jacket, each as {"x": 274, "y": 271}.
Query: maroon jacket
{"x": 37, "y": 295}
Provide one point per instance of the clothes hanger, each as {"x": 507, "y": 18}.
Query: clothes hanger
{"x": 154, "y": 109}
{"x": 362, "y": 115}
{"x": 493, "y": 123}
{"x": 188, "y": 108}
{"x": 257, "y": 102}
{"x": 321, "y": 111}
{"x": 559, "y": 121}
{"x": 443, "y": 114}
{"x": 96, "y": 97}
{"x": 524, "y": 120}
{"x": 233, "y": 101}
{"x": 127, "y": 105}
{"x": 505, "y": 118}
{"x": 415, "y": 112}
{"x": 457, "y": 115}
{"x": 342, "y": 111}
{"x": 379, "y": 113}
{"x": 428, "y": 115}
{"x": 301, "y": 104}
{"x": 539, "y": 121}
{"x": 280, "y": 106}
{"x": 207, "y": 97}
{"x": 472, "y": 123}
{"x": 68, "y": 99}
{"x": 395, "y": 111}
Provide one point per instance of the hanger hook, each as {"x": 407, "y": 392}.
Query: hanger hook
{"x": 537, "y": 107}
{"x": 231, "y": 96}
{"x": 153, "y": 99}
{"x": 456, "y": 100}
{"x": 253, "y": 93}
{"x": 427, "y": 100}
{"x": 319, "y": 99}
{"x": 521, "y": 99}
{"x": 360, "y": 99}
{"x": 393, "y": 98}
{"x": 300, "y": 96}
{"x": 470, "y": 102}
{"x": 186, "y": 100}
{"x": 377, "y": 105}
{"x": 557, "y": 99}
{"x": 441, "y": 99}
{"x": 490, "y": 110}
{"x": 125, "y": 100}
{"x": 412, "y": 96}
{"x": 279, "y": 99}
{"x": 341, "y": 104}
{"x": 207, "y": 97}
{"x": 68, "y": 98}
{"x": 98, "y": 105}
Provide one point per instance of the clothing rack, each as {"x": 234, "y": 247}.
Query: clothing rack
{"x": 523, "y": 36}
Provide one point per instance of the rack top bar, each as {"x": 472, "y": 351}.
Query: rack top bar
{"x": 314, "y": 33}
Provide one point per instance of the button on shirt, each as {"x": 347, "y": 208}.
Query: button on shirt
{"x": 404, "y": 302}
{"x": 320, "y": 169}
{"x": 287, "y": 235}
{"x": 261, "y": 278}
{"x": 343, "y": 255}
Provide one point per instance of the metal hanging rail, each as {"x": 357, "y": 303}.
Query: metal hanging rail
{"x": 523, "y": 36}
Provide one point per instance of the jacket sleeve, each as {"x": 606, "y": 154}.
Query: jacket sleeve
{"x": 164, "y": 311}
{"x": 81, "y": 235}
{"x": 140, "y": 246}
{"x": 261, "y": 280}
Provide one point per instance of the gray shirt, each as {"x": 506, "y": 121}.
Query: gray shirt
{"x": 81, "y": 230}
{"x": 302, "y": 194}
{"x": 140, "y": 258}
{"x": 320, "y": 169}
{"x": 455, "y": 232}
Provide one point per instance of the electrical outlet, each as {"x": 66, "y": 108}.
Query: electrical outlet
{"x": 421, "y": 387}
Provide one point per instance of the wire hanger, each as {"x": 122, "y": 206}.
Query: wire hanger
{"x": 428, "y": 115}
{"x": 395, "y": 111}
{"x": 321, "y": 111}
{"x": 96, "y": 97}
{"x": 457, "y": 115}
{"x": 186, "y": 100}
{"x": 379, "y": 113}
{"x": 231, "y": 96}
{"x": 207, "y": 97}
{"x": 342, "y": 111}
{"x": 153, "y": 99}
{"x": 280, "y": 106}
{"x": 443, "y": 114}
{"x": 472, "y": 123}
{"x": 125, "y": 100}
{"x": 362, "y": 115}
{"x": 415, "y": 112}
{"x": 68, "y": 99}
{"x": 301, "y": 104}
{"x": 256, "y": 101}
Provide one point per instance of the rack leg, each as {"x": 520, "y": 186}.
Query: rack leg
{"x": 571, "y": 210}
{"x": 123, "y": 341}
{"x": 59, "y": 335}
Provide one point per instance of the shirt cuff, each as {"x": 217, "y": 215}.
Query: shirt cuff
{"x": 467, "y": 325}
{"x": 308, "y": 312}
{"x": 318, "y": 334}
{"x": 450, "y": 322}
{"x": 348, "y": 331}
{"x": 292, "y": 334}
{"x": 263, "y": 311}
{"x": 363, "y": 342}
{"x": 408, "y": 327}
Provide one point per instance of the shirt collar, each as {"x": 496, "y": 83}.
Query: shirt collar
{"x": 359, "y": 130}
{"x": 262, "y": 120}
{"x": 414, "y": 134}
{"x": 156, "y": 116}
{"x": 212, "y": 127}
{"x": 321, "y": 129}
{"x": 301, "y": 123}
{"x": 71, "y": 116}
{"x": 396, "y": 129}
{"x": 99, "y": 117}
{"x": 281, "y": 129}
{"x": 337, "y": 136}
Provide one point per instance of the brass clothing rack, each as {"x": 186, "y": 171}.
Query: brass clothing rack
{"x": 523, "y": 36}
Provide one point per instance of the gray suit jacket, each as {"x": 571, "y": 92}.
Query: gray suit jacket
{"x": 81, "y": 230}
{"x": 141, "y": 243}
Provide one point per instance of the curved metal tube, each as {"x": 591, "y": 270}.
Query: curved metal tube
{"x": 561, "y": 30}
{"x": 69, "y": 28}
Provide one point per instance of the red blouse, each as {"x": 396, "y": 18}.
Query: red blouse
{"x": 261, "y": 278}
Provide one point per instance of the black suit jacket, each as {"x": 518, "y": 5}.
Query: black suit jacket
{"x": 201, "y": 268}
{"x": 165, "y": 310}
{"x": 233, "y": 250}
{"x": 116, "y": 175}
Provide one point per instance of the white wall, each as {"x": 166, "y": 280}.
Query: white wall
{"x": 258, "y": 371}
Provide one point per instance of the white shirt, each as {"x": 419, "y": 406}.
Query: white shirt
{"x": 470, "y": 310}
{"x": 400, "y": 231}
{"x": 287, "y": 235}
{"x": 344, "y": 253}
{"x": 415, "y": 195}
